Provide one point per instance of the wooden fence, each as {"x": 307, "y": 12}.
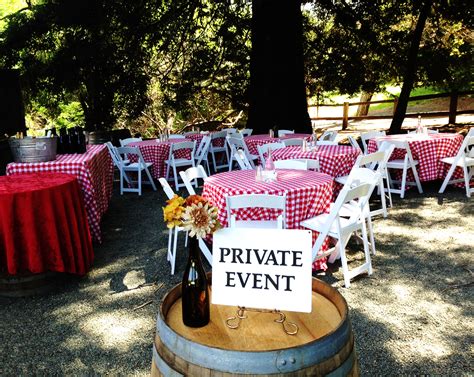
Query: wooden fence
{"x": 451, "y": 113}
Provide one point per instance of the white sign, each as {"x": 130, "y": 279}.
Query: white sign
{"x": 262, "y": 268}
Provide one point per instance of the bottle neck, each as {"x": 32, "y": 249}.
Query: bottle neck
{"x": 193, "y": 248}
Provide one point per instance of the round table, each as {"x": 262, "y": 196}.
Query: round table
{"x": 427, "y": 149}
{"x": 157, "y": 152}
{"x": 308, "y": 194}
{"x": 253, "y": 141}
{"x": 43, "y": 225}
{"x": 334, "y": 160}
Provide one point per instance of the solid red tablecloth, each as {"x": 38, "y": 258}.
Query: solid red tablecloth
{"x": 43, "y": 225}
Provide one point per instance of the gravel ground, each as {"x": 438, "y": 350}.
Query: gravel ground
{"x": 412, "y": 316}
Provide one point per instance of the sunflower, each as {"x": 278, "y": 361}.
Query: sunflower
{"x": 200, "y": 219}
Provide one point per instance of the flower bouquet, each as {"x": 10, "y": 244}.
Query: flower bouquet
{"x": 196, "y": 215}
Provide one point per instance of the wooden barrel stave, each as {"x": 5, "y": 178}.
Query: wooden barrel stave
{"x": 333, "y": 354}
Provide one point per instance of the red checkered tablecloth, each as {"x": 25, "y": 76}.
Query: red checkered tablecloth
{"x": 253, "y": 141}
{"x": 94, "y": 172}
{"x": 157, "y": 152}
{"x": 427, "y": 149}
{"x": 335, "y": 160}
{"x": 308, "y": 194}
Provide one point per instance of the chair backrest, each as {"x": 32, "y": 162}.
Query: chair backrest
{"x": 246, "y": 132}
{"x": 355, "y": 144}
{"x": 176, "y": 136}
{"x": 174, "y": 147}
{"x": 311, "y": 163}
{"x": 239, "y": 144}
{"x": 291, "y": 164}
{"x": 263, "y": 149}
{"x": 190, "y": 177}
{"x": 166, "y": 188}
{"x": 277, "y": 202}
{"x": 326, "y": 142}
{"x": 366, "y": 136}
{"x": 190, "y": 133}
{"x": 400, "y": 144}
{"x": 230, "y": 130}
{"x": 116, "y": 158}
{"x": 428, "y": 131}
{"x": 466, "y": 149}
{"x": 203, "y": 149}
{"x": 328, "y": 136}
{"x": 354, "y": 193}
{"x": 291, "y": 142}
{"x": 285, "y": 132}
{"x": 242, "y": 159}
{"x": 219, "y": 135}
{"x": 124, "y": 142}
{"x": 132, "y": 151}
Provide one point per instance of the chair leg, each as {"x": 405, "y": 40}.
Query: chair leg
{"x": 404, "y": 181}
{"x": 175, "y": 172}
{"x": 121, "y": 182}
{"x": 389, "y": 191}
{"x": 150, "y": 178}
{"x": 382, "y": 197}
{"x": 447, "y": 178}
{"x": 417, "y": 179}
{"x": 345, "y": 268}
{"x": 466, "y": 180}
{"x": 173, "y": 256}
{"x": 139, "y": 182}
{"x": 170, "y": 237}
{"x": 167, "y": 171}
{"x": 371, "y": 234}
{"x": 213, "y": 160}
{"x": 366, "y": 249}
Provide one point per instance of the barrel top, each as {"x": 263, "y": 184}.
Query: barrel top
{"x": 259, "y": 332}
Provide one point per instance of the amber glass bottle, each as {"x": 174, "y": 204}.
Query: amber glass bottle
{"x": 194, "y": 289}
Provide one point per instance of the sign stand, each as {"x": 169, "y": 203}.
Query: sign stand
{"x": 290, "y": 328}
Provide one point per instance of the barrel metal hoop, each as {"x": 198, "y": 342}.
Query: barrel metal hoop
{"x": 345, "y": 368}
{"x": 163, "y": 367}
{"x": 263, "y": 362}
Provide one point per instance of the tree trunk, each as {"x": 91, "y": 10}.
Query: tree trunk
{"x": 363, "y": 110}
{"x": 410, "y": 70}
{"x": 277, "y": 92}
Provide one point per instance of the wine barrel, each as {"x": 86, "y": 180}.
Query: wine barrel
{"x": 324, "y": 344}
{"x": 26, "y": 284}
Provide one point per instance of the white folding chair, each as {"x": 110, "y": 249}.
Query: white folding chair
{"x": 429, "y": 131}
{"x": 378, "y": 162}
{"x": 172, "y": 240}
{"x": 174, "y": 162}
{"x": 129, "y": 140}
{"x": 213, "y": 150}
{"x": 239, "y": 144}
{"x": 403, "y": 164}
{"x": 202, "y": 153}
{"x": 311, "y": 163}
{"x": 355, "y": 144}
{"x": 334, "y": 225}
{"x": 263, "y": 149}
{"x": 246, "y": 132}
{"x": 176, "y": 136}
{"x": 133, "y": 167}
{"x": 190, "y": 133}
{"x": 190, "y": 177}
{"x": 464, "y": 159}
{"x": 274, "y": 202}
{"x": 242, "y": 160}
{"x": 285, "y": 132}
{"x": 366, "y": 136}
{"x": 293, "y": 142}
{"x": 117, "y": 159}
{"x": 326, "y": 142}
{"x": 328, "y": 136}
{"x": 291, "y": 164}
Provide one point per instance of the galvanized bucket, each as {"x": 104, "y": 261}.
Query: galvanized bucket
{"x": 40, "y": 149}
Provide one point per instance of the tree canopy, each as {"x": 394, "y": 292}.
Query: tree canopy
{"x": 190, "y": 60}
